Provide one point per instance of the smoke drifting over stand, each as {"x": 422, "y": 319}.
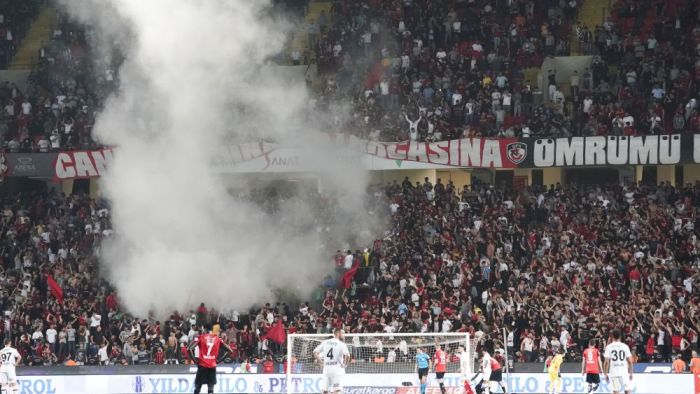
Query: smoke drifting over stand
{"x": 189, "y": 82}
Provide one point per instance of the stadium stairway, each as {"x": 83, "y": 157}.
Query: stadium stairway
{"x": 301, "y": 40}
{"x": 591, "y": 13}
{"x": 39, "y": 33}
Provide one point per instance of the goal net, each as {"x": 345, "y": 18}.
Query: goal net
{"x": 377, "y": 360}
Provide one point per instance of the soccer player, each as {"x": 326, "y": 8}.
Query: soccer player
{"x": 422, "y": 367}
{"x": 9, "y": 358}
{"x": 334, "y": 355}
{"x": 618, "y": 364}
{"x": 555, "y": 372}
{"x": 440, "y": 364}
{"x": 492, "y": 371}
{"x": 465, "y": 370}
{"x": 591, "y": 366}
{"x": 208, "y": 347}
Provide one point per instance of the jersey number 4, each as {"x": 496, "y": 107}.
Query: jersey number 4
{"x": 617, "y": 355}
{"x": 329, "y": 355}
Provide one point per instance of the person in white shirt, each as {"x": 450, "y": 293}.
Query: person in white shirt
{"x": 55, "y": 139}
{"x": 486, "y": 371}
{"x": 9, "y": 358}
{"x": 525, "y": 132}
{"x": 384, "y": 87}
{"x": 95, "y": 320}
{"x": 618, "y": 364}
{"x": 564, "y": 337}
{"x": 26, "y": 107}
{"x": 446, "y": 325}
{"x": 391, "y": 356}
{"x": 348, "y": 260}
{"x": 296, "y": 57}
{"x": 405, "y": 63}
{"x": 558, "y": 97}
{"x": 413, "y": 127}
{"x": 334, "y": 355}
{"x": 37, "y": 335}
{"x": 507, "y": 101}
{"x": 44, "y": 144}
{"x": 587, "y": 104}
{"x": 102, "y": 353}
{"x": 441, "y": 55}
{"x": 337, "y": 48}
{"x": 10, "y": 109}
{"x": 465, "y": 370}
{"x": 51, "y": 335}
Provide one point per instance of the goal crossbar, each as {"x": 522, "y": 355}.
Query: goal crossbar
{"x": 376, "y": 354}
{"x": 386, "y": 335}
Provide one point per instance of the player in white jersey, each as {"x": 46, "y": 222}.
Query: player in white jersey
{"x": 334, "y": 355}
{"x": 465, "y": 370}
{"x": 618, "y": 364}
{"x": 493, "y": 373}
{"x": 9, "y": 358}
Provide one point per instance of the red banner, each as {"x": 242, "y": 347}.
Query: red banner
{"x": 55, "y": 288}
{"x": 504, "y": 153}
{"x": 82, "y": 164}
{"x": 466, "y": 152}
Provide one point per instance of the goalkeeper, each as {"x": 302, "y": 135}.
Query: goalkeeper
{"x": 555, "y": 372}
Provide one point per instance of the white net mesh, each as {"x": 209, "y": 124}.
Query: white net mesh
{"x": 380, "y": 353}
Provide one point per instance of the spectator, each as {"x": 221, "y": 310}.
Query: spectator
{"x": 102, "y": 353}
{"x": 268, "y": 365}
{"x": 70, "y": 362}
{"x": 51, "y": 335}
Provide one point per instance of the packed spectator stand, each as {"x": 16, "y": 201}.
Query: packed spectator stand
{"x": 555, "y": 266}
{"x": 65, "y": 90}
{"x": 415, "y": 71}
{"x": 426, "y": 73}
{"x": 15, "y": 18}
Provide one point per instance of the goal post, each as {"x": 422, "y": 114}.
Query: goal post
{"x": 377, "y": 360}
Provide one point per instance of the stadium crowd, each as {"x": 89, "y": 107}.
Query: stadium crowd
{"x": 416, "y": 71}
{"x": 57, "y": 110}
{"x": 15, "y": 18}
{"x": 554, "y": 265}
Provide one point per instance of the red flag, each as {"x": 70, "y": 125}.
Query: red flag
{"x": 55, "y": 288}
{"x": 375, "y": 75}
{"x": 276, "y": 333}
{"x": 349, "y": 275}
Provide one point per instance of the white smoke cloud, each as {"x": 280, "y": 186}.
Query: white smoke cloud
{"x": 192, "y": 75}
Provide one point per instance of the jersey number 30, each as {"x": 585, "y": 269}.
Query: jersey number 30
{"x": 617, "y": 355}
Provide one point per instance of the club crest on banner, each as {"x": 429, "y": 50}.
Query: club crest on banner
{"x": 516, "y": 152}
